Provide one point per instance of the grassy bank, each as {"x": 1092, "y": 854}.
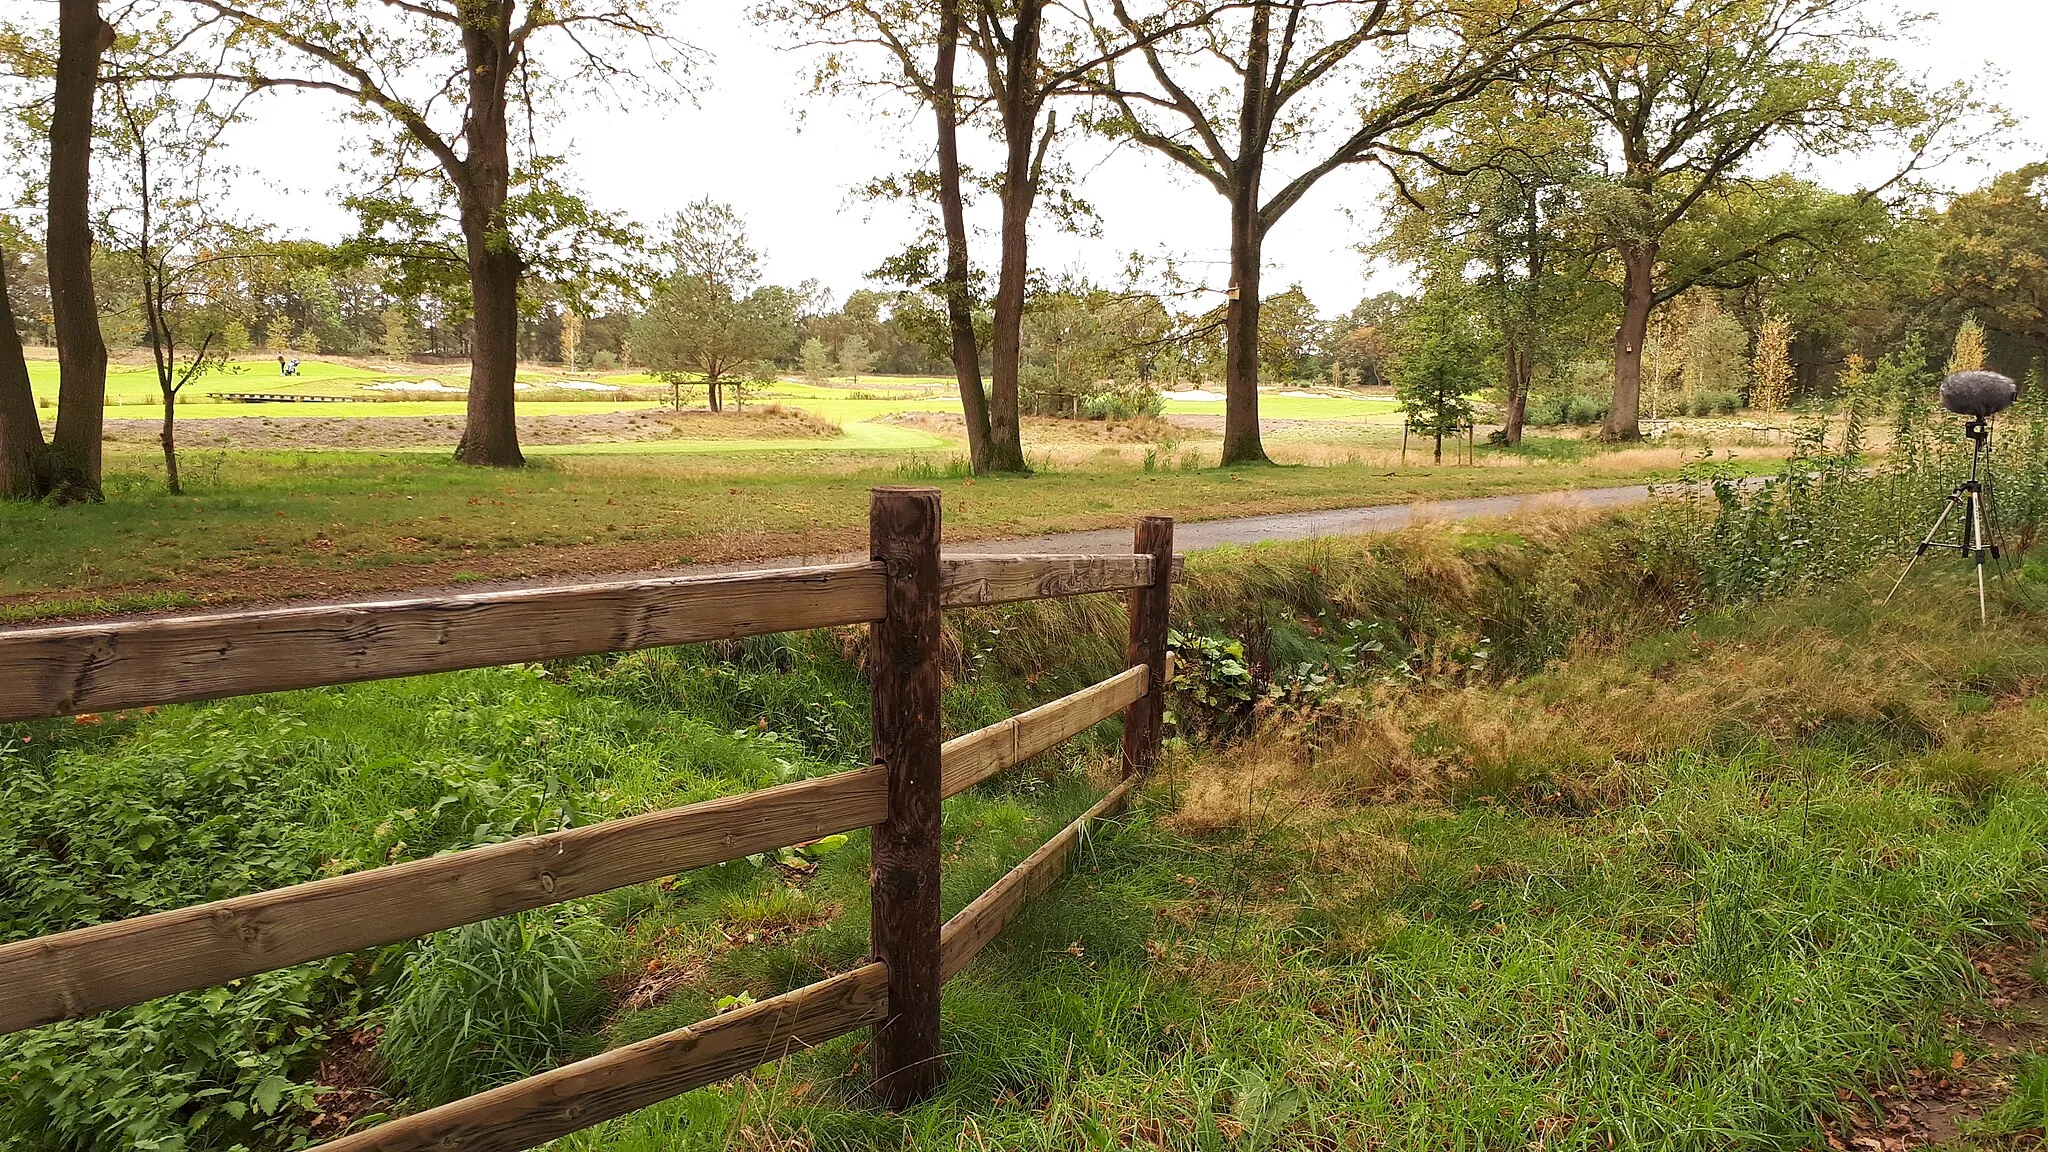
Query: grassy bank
{"x": 1472, "y": 840}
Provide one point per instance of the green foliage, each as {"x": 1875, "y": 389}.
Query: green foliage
{"x": 100, "y": 828}
{"x": 1830, "y": 511}
{"x": 1548, "y": 411}
{"x": 1123, "y": 406}
{"x": 1212, "y": 681}
{"x": 1090, "y": 350}
{"x": 219, "y": 1068}
{"x": 816, "y": 361}
{"x": 1991, "y": 247}
{"x": 1441, "y": 363}
{"x": 486, "y": 1004}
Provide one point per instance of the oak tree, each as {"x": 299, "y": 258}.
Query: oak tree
{"x": 1688, "y": 95}
{"x": 448, "y": 80}
{"x": 1261, "y": 131}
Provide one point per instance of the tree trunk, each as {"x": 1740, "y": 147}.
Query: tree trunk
{"x": 170, "y": 442}
{"x": 1519, "y": 374}
{"x": 1637, "y": 298}
{"x": 73, "y": 459}
{"x": 1020, "y": 134}
{"x": 1241, "y": 443}
{"x": 952, "y": 211}
{"x": 491, "y": 436}
{"x": 714, "y": 397}
{"x": 21, "y": 433}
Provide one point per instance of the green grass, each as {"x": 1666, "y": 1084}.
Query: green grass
{"x": 137, "y": 384}
{"x": 1272, "y": 406}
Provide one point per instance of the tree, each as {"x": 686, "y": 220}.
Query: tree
{"x": 1992, "y": 253}
{"x": 441, "y": 75}
{"x": 1772, "y": 387}
{"x": 711, "y": 317}
{"x": 1496, "y": 203}
{"x": 1290, "y": 335}
{"x": 1687, "y": 93}
{"x": 817, "y": 361}
{"x": 1968, "y": 353}
{"x": 1440, "y": 365}
{"x": 854, "y": 357}
{"x": 397, "y": 339}
{"x": 1713, "y": 350}
{"x": 157, "y": 220}
{"x": 1398, "y": 65}
{"x": 21, "y": 430}
{"x": 71, "y": 463}
{"x": 1029, "y": 58}
{"x": 1360, "y": 339}
{"x": 907, "y": 36}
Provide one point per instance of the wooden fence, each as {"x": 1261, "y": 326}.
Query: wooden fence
{"x": 899, "y": 591}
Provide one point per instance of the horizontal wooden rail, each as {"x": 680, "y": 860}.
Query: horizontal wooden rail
{"x": 63, "y": 670}
{"x": 970, "y": 759}
{"x": 972, "y": 580}
{"x": 106, "y": 966}
{"x": 66, "y": 669}
{"x": 575, "y": 1096}
{"x": 971, "y": 928}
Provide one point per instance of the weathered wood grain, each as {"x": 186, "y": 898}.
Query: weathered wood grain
{"x": 1144, "y": 722}
{"x": 905, "y": 688}
{"x": 108, "y": 966}
{"x": 575, "y": 1096}
{"x": 68, "y": 669}
{"x": 973, "y": 580}
{"x": 980, "y": 754}
{"x": 971, "y": 928}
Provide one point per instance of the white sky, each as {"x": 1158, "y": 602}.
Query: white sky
{"x": 788, "y": 161}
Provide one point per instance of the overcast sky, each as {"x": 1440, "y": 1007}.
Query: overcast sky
{"x": 788, "y": 162}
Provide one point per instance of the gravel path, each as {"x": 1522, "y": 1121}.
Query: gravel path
{"x": 1197, "y": 535}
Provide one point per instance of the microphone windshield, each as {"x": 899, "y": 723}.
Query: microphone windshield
{"x": 1978, "y": 394}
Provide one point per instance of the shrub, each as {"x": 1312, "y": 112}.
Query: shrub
{"x": 1122, "y": 405}
{"x": 486, "y": 1004}
{"x": 604, "y": 362}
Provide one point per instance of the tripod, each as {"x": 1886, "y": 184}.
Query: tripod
{"x": 1974, "y": 504}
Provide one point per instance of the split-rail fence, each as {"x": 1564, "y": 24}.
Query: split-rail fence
{"x": 899, "y": 591}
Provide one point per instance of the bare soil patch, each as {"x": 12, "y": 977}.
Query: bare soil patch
{"x": 1040, "y": 429}
{"x": 1933, "y": 1106}
{"x": 371, "y": 433}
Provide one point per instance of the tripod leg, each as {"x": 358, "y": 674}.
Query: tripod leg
{"x": 1926, "y": 540}
{"x": 1979, "y": 552}
{"x": 1994, "y": 522}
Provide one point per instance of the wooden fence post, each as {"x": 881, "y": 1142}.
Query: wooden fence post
{"x": 903, "y": 533}
{"x": 1146, "y": 717}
